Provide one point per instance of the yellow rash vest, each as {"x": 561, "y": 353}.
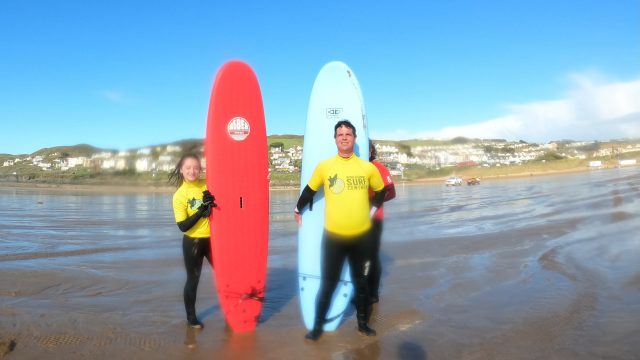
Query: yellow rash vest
{"x": 346, "y": 184}
{"x": 186, "y": 201}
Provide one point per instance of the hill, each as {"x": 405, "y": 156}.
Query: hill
{"x": 68, "y": 151}
{"x": 411, "y": 159}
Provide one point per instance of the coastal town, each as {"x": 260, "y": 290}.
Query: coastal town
{"x": 286, "y": 156}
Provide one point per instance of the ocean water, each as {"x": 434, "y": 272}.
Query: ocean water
{"x": 50, "y": 224}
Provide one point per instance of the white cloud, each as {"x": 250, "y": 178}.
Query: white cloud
{"x": 592, "y": 109}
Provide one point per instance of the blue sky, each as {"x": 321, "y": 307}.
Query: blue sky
{"x": 124, "y": 74}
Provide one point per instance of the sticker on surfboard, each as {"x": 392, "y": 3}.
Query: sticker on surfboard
{"x": 333, "y": 113}
{"x": 238, "y": 128}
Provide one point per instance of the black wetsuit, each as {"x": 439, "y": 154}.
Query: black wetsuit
{"x": 357, "y": 251}
{"x": 194, "y": 251}
{"x": 192, "y": 205}
{"x": 376, "y": 266}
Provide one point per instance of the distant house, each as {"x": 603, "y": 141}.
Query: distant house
{"x": 283, "y": 164}
{"x": 166, "y": 163}
{"x": 295, "y": 152}
{"x": 276, "y": 147}
{"x": 102, "y": 155}
{"x": 387, "y": 153}
{"x": 77, "y": 161}
{"x": 122, "y": 163}
{"x": 108, "y": 164}
{"x": 276, "y": 153}
{"x": 118, "y": 162}
{"x": 174, "y": 148}
{"x": 8, "y": 163}
{"x": 144, "y": 164}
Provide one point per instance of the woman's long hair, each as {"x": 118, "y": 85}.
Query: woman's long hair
{"x": 175, "y": 176}
{"x": 373, "y": 153}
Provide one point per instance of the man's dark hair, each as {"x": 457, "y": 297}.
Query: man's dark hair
{"x": 345, "y": 123}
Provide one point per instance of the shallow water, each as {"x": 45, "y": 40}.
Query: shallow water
{"x": 539, "y": 267}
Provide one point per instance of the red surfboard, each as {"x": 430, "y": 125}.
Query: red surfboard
{"x": 237, "y": 175}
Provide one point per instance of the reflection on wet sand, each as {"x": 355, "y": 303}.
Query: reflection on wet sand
{"x": 190, "y": 337}
{"x": 519, "y": 269}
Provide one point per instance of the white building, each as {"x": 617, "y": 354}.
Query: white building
{"x": 102, "y": 155}
{"x": 119, "y": 162}
{"x": 173, "y": 148}
{"x": 76, "y": 161}
{"x": 108, "y": 164}
{"x": 144, "y": 164}
{"x": 166, "y": 163}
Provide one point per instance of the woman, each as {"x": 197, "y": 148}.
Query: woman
{"x": 378, "y": 218}
{"x": 192, "y": 204}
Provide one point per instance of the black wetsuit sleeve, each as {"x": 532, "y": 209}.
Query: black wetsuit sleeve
{"x": 390, "y": 192}
{"x": 378, "y": 198}
{"x": 306, "y": 198}
{"x": 188, "y": 223}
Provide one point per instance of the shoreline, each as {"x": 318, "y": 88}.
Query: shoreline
{"x": 92, "y": 188}
{"x": 106, "y": 188}
{"x": 515, "y": 175}
{"x": 147, "y": 189}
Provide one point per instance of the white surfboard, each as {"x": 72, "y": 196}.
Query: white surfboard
{"x": 335, "y": 96}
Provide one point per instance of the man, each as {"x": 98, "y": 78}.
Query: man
{"x": 346, "y": 180}
{"x": 376, "y": 230}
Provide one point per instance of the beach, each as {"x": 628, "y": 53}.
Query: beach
{"x": 534, "y": 267}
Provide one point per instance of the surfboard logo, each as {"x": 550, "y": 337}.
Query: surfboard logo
{"x": 238, "y": 128}
{"x": 336, "y": 185}
{"x": 332, "y": 113}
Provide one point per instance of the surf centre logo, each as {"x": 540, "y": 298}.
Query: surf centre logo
{"x": 336, "y": 185}
{"x": 194, "y": 203}
{"x": 333, "y": 113}
{"x": 357, "y": 183}
{"x": 238, "y": 128}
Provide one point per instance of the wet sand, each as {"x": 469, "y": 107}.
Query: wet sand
{"x": 520, "y": 269}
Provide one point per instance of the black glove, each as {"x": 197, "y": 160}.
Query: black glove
{"x": 208, "y": 198}
{"x": 204, "y": 210}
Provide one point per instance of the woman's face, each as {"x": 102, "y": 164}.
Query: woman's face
{"x": 190, "y": 169}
